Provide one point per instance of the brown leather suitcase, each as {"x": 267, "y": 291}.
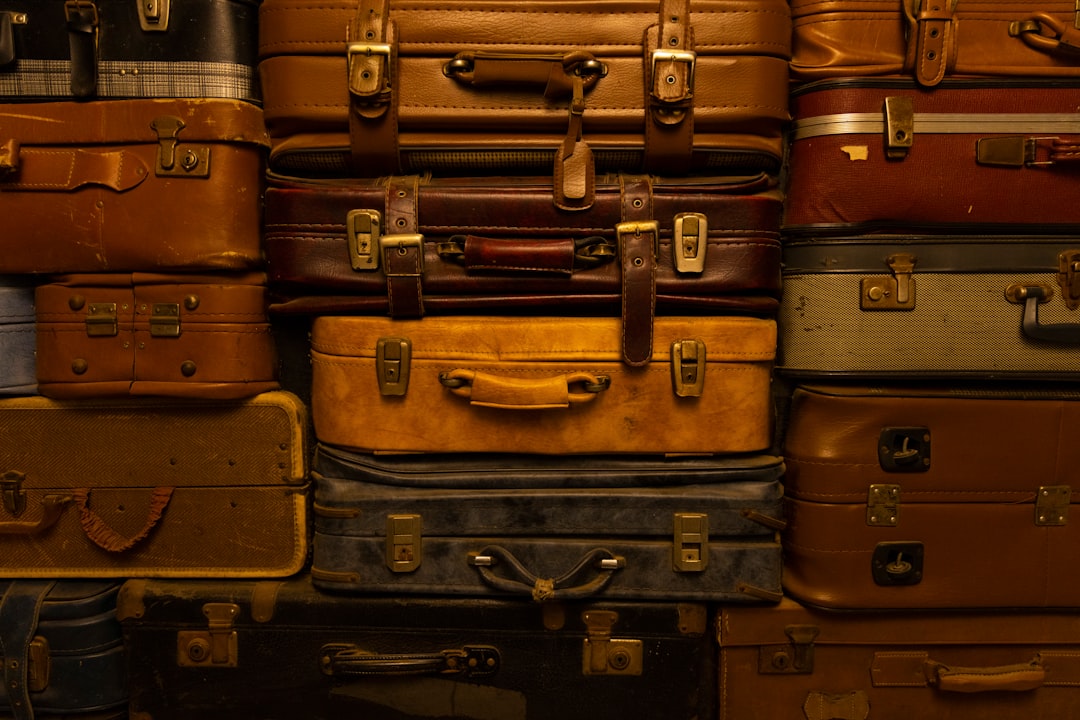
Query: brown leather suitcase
{"x": 789, "y": 662}
{"x": 107, "y": 334}
{"x": 139, "y": 487}
{"x": 383, "y": 87}
{"x": 952, "y": 497}
{"x": 131, "y": 185}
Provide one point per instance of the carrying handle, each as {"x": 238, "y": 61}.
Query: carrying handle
{"x": 1015, "y": 678}
{"x": 513, "y": 393}
{"x": 108, "y": 539}
{"x": 349, "y": 660}
{"x": 1045, "y": 33}
{"x": 560, "y": 256}
{"x": 600, "y": 562}
{"x": 556, "y": 73}
{"x": 1031, "y": 296}
{"x": 52, "y": 506}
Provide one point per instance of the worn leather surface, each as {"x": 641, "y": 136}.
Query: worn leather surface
{"x": 18, "y": 372}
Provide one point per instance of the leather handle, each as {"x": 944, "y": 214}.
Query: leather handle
{"x": 588, "y": 577}
{"x": 349, "y": 660}
{"x": 1064, "y": 333}
{"x": 108, "y": 539}
{"x": 52, "y": 506}
{"x": 549, "y": 256}
{"x": 555, "y": 73}
{"x": 63, "y": 169}
{"x": 1021, "y": 677}
{"x": 514, "y": 393}
{"x": 1045, "y": 33}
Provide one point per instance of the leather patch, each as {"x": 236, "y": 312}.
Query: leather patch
{"x": 820, "y": 705}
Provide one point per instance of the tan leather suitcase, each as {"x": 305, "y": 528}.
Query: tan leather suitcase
{"x": 541, "y": 385}
{"x": 136, "y": 487}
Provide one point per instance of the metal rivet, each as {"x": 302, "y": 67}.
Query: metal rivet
{"x": 191, "y": 302}
{"x": 187, "y": 368}
{"x": 79, "y": 366}
{"x": 876, "y": 293}
{"x": 638, "y": 202}
{"x": 76, "y": 302}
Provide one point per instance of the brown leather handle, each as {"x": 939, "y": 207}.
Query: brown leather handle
{"x": 63, "y": 169}
{"x": 555, "y": 73}
{"x": 108, "y": 539}
{"x": 1045, "y": 33}
{"x": 548, "y": 256}
{"x": 51, "y": 508}
{"x": 1020, "y": 677}
{"x": 514, "y": 393}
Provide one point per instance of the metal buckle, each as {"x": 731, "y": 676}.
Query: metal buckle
{"x": 402, "y": 242}
{"x": 367, "y": 50}
{"x": 684, "y": 56}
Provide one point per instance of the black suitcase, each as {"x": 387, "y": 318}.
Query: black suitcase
{"x": 681, "y": 528}
{"x": 284, "y": 651}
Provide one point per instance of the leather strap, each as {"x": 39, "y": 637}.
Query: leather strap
{"x": 575, "y": 170}
{"x": 82, "y": 27}
{"x": 403, "y": 262}
{"x": 69, "y": 169}
{"x": 638, "y": 241}
{"x": 1062, "y": 150}
{"x": 669, "y": 71}
{"x": 933, "y": 40}
{"x": 19, "y": 610}
{"x": 372, "y": 69}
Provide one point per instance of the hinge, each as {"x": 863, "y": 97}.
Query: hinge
{"x": 899, "y": 126}
{"x": 217, "y": 646}
{"x": 603, "y": 654}
{"x": 13, "y": 496}
{"x": 165, "y": 320}
{"x": 1052, "y": 505}
{"x": 883, "y": 505}
{"x": 690, "y": 242}
{"x": 795, "y": 658}
{"x": 403, "y": 542}
{"x": 904, "y": 449}
{"x": 688, "y": 367}
{"x": 101, "y": 320}
{"x": 392, "y": 359}
{"x": 691, "y": 542}
{"x": 153, "y": 15}
{"x": 1069, "y": 278}
{"x": 363, "y": 229}
{"x": 38, "y": 664}
{"x": 895, "y": 292}
{"x": 173, "y": 161}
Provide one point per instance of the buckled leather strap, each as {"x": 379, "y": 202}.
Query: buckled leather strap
{"x": 403, "y": 259}
{"x": 19, "y": 610}
{"x": 638, "y": 241}
{"x": 372, "y": 64}
{"x": 669, "y": 71}
{"x": 82, "y": 27}
{"x": 933, "y": 40}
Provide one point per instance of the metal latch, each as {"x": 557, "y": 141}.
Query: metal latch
{"x": 904, "y": 449}
{"x": 897, "y": 563}
{"x": 153, "y": 15}
{"x": 891, "y": 293}
{"x": 38, "y": 664}
{"x": 1008, "y": 151}
{"x": 1069, "y": 278}
{"x": 174, "y": 161}
{"x": 603, "y": 654}
{"x": 691, "y": 545}
{"x": 689, "y": 244}
{"x": 403, "y": 542}
{"x": 883, "y": 505}
{"x": 1052, "y": 505}
{"x": 101, "y": 320}
{"x": 14, "y": 497}
{"x": 7, "y": 34}
{"x": 688, "y": 367}
{"x": 165, "y": 320}
{"x": 216, "y": 646}
{"x": 363, "y": 230}
{"x": 392, "y": 359}
{"x": 899, "y": 126}
{"x": 795, "y": 658}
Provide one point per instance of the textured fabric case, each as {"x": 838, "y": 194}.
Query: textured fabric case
{"x": 146, "y": 488}
{"x": 18, "y": 370}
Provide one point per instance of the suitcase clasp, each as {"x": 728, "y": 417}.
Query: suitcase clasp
{"x": 603, "y": 654}
{"x": 795, "y": 658}
{"x": 891, "y": 293}
{"x": 216, "y": 646}
{"x": 363, "y": 228}
{"x": 1069, "y": 278}
{"x": 392, "y": 360}
{"x": 153, "y": 15}
{"x": 101, "y": 320}
{"x": 688, "y": 368}
{"x": 403, "y": 542}
{"x": 690, "y": 242}
{"x": 173, "y": 161}
{"x": 899, "y": 126}
{"x": 14, "y": 497}
{"x": 691, "y": 543}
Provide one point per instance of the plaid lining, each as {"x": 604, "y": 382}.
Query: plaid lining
{"x": 124, "y": 79}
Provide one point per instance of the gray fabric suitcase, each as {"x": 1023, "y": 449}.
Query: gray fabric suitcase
{"x": 18, "y": 371}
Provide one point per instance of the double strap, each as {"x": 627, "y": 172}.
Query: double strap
{"x": 931, "y": 30}
{"x": 372, "y": 61}
{"x": 669, "y": 74}
{"x": 19, "y": 610}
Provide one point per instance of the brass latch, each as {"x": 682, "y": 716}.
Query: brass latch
{"x": 403, "y": 542}
{"x": 691, "y": 543}
{"x": 173, "y": 161}
{"x": 899, "y": 126}
{"x": 883, "y": 505}
{"x": 896, "y": 292}
{"x": 153, "y": 15}
{"x": 603, "y": 654}
{"x": 38, "y": 664}
{"x": 1069, "y": 278}
{"x": 688, "y": 367}
{"x": 690, "y": 241}
{"x": 14, "y": 497}
{"x": 1052, "y": 505}
{"x": 363, "y": 230}
{"x": 217, "y": 646}
{"x": 1009, "y": 151}
{"x": 101, "y": 320}
{"x": 795, "y": 658}
{"x": 392, "y": 359}
{"x": 165, "y": 320}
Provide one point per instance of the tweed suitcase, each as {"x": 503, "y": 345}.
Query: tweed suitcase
{"x": 282, "y": 650}
{"x": 140, "y": 487}
{"x": 18, "y": 370}
{"x": 131, "y": 185}
{"x": 547, "y": 385}
{"x": 548, "y": 528}
{"x": 563, "y": 89}
{"x": 1002, "y": 306}
{"x": 57, "y": 50}
{"x": 884, "y": 155}
{"x": 894, "y": 494}
{"x": 107, "y": 334}
{"x": 810, "y": 664}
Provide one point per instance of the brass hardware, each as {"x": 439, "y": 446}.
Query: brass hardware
{"x": 367, "y": 50}
{"x": 1052, "y": 505}
{"x": 691, "y": 543}
{"x": 690, "y": 242}
{"x": 904, "y": 449}
{"x": 897, "y": 563}
{"x": 883, "y": 505}
{"x": 401, "y": 242}
{"x": 693, "y": 619}
{"x": 603, "y": 654}
{"x": 795, "y": 658}
{"x": 188, "y": 368}
{"x": 683, "y": 56}
{"x": 1018, "y": 294}
{"x": 38, "y": 665}
{"x": 76, "y": 302}
{"x": 688, "y": 367}
{"x": 896, "y": 292}
{"x": 1010, "y": 151}
{"x": 79, "y": 366}
{"x": 101, "y": 320}
{"x": 14, "y": 497}
{"x": 403, "y": 542}
{"x": 191, "y": 302}
{"x": 899, "y": 126}
{"x": 165, "y": 320}
{"x": 217, "y": 646}
{"x": 154, "y": 15}
{"x": 640, "y": 228}
{"x": 362, "y": 227}
{"x": 1069, "y": 278}
{"x": 392, "y": 358}
{"x": 173, "y": 161}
